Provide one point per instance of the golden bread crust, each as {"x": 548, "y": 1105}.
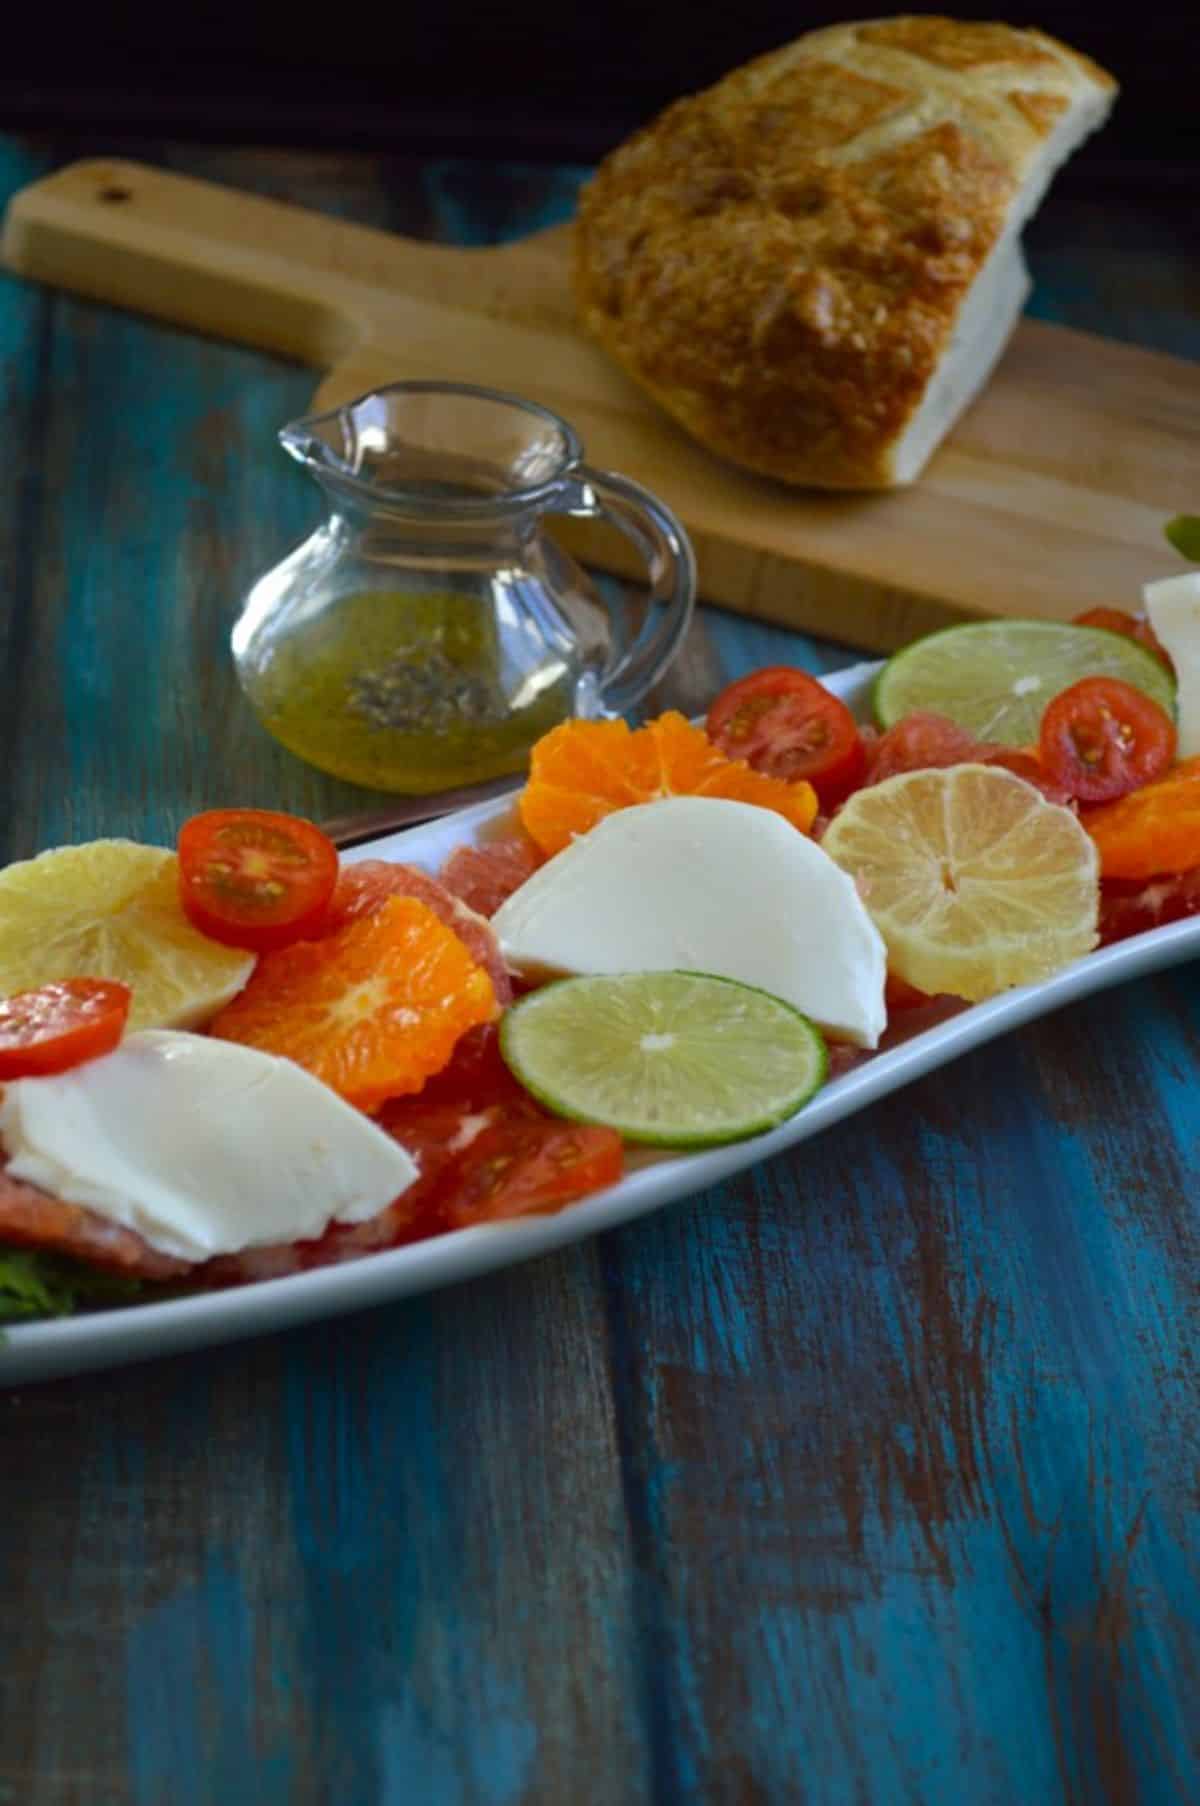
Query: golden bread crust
{"x": 781, "y": 259}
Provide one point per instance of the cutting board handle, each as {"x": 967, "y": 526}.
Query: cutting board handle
{"x": 218, "y": 260}
{"x": 190, "y": 252}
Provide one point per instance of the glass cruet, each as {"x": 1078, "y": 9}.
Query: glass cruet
{"x": 430, "y": 629}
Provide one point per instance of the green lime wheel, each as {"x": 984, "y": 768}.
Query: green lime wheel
{"x": 994, "y": 678}
{"x": 673, "y": 1059}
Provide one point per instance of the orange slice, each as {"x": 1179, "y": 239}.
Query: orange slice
{"x": 584, "y": 770}
{"x": 373, "y": 1011}
{"x": 363, "y": 886}
{"x": 1152, "y": 832}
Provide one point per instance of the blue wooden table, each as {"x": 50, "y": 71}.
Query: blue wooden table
{"x": 871, "y": 1476}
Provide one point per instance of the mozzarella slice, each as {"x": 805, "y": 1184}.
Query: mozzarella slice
{"x": 1173, "y": 608}
{"x": 705, "y": 885}
{"x": 202, "y": 1146}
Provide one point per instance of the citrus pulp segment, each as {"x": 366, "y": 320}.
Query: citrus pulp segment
{"x": 994, "y": 678}
{"x": 583, "y": 771}
{"x": 673, "y": 1059}
{"x": 975, "y": 881}
{"x": 373, "y": 1010}
{"x": 110, "y": 909}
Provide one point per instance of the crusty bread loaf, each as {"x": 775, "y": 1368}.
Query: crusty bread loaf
{"x": 815, "y": 264}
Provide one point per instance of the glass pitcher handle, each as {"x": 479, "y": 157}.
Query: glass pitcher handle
{"x": 664, "y": 544}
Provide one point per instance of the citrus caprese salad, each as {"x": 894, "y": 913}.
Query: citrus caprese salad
{"x": 246, "y": 1057}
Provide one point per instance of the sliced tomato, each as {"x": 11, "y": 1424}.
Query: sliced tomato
{"x": 1101, "y": 739}
{"x": 439, "y": 1123}
{"x": 486, "y": 1150}
{"x": 785, "y": 724}
{"x": 60, "y": 1025}
{"x": 1131, "y": 906}
{"x": 525, "y": 1166}
{"x": 922, "y": 741}
{"x": 440, "y": 1138}
{"x": 1134, "y": 627}
{"x": 251, "y": 878}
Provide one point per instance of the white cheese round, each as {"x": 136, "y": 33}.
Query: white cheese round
{"x": 202, "y": 1146}
{"x": 701, "y": 884}
{"x": 1173, "y": 609}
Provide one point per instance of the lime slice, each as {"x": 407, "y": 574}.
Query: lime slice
{"x": 675, "y": 1059}
{"x": 995, "y": 677}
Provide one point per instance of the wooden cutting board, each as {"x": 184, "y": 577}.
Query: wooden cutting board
{"x": 1048, "y": 498}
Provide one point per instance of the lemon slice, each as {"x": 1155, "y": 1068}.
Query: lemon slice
{"x": 974, "y": 880}
{"x": 994, "y": 678}
{"x": 110, "y": 909}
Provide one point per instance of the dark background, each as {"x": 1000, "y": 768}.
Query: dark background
{"x": 539, "y": 80}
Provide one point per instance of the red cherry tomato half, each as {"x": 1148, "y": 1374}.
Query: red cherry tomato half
{"x": 1101, "y": 738}
{"x": 787, "y": 725}
{"x": 1134, "y": 627}
{"x": 60, "y": 1025}
{"x": 251, "y": 878}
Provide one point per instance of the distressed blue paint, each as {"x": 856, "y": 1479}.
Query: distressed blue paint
{"x": 25, "y": 339}
{"x": 121, "y": 634}
{"x": 1010, "y": 1635}
{"x": 190, "y": 1693}
{"x": 745, "y": 646}
{"x": 383, "y": 1605}
{"x": 420, "y": 1759}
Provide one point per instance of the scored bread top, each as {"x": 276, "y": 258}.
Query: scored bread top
{"x": 780, "y": 260}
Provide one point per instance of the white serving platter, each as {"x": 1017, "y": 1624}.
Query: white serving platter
{"x": 138, "y": 1332}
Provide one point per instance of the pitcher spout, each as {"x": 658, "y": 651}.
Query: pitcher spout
{"x": 442, "y": 446}
{"x": 325, "y": 442}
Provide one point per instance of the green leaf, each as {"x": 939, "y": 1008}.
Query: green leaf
{"x": 25, "y": 1290}
{"x": 46, "y": 1285}
{"x": 1184, "y": 534}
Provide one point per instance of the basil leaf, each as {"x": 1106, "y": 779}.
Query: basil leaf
{"x": 35, "y": 1285}
{"x": 1184, "y": 534}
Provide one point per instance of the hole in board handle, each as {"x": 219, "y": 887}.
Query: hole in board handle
{"x": 114, "y": 194}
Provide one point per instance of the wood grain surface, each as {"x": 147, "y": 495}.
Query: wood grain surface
{"x": 871, "y": 1476}
{"x": 1048, "y": 496}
